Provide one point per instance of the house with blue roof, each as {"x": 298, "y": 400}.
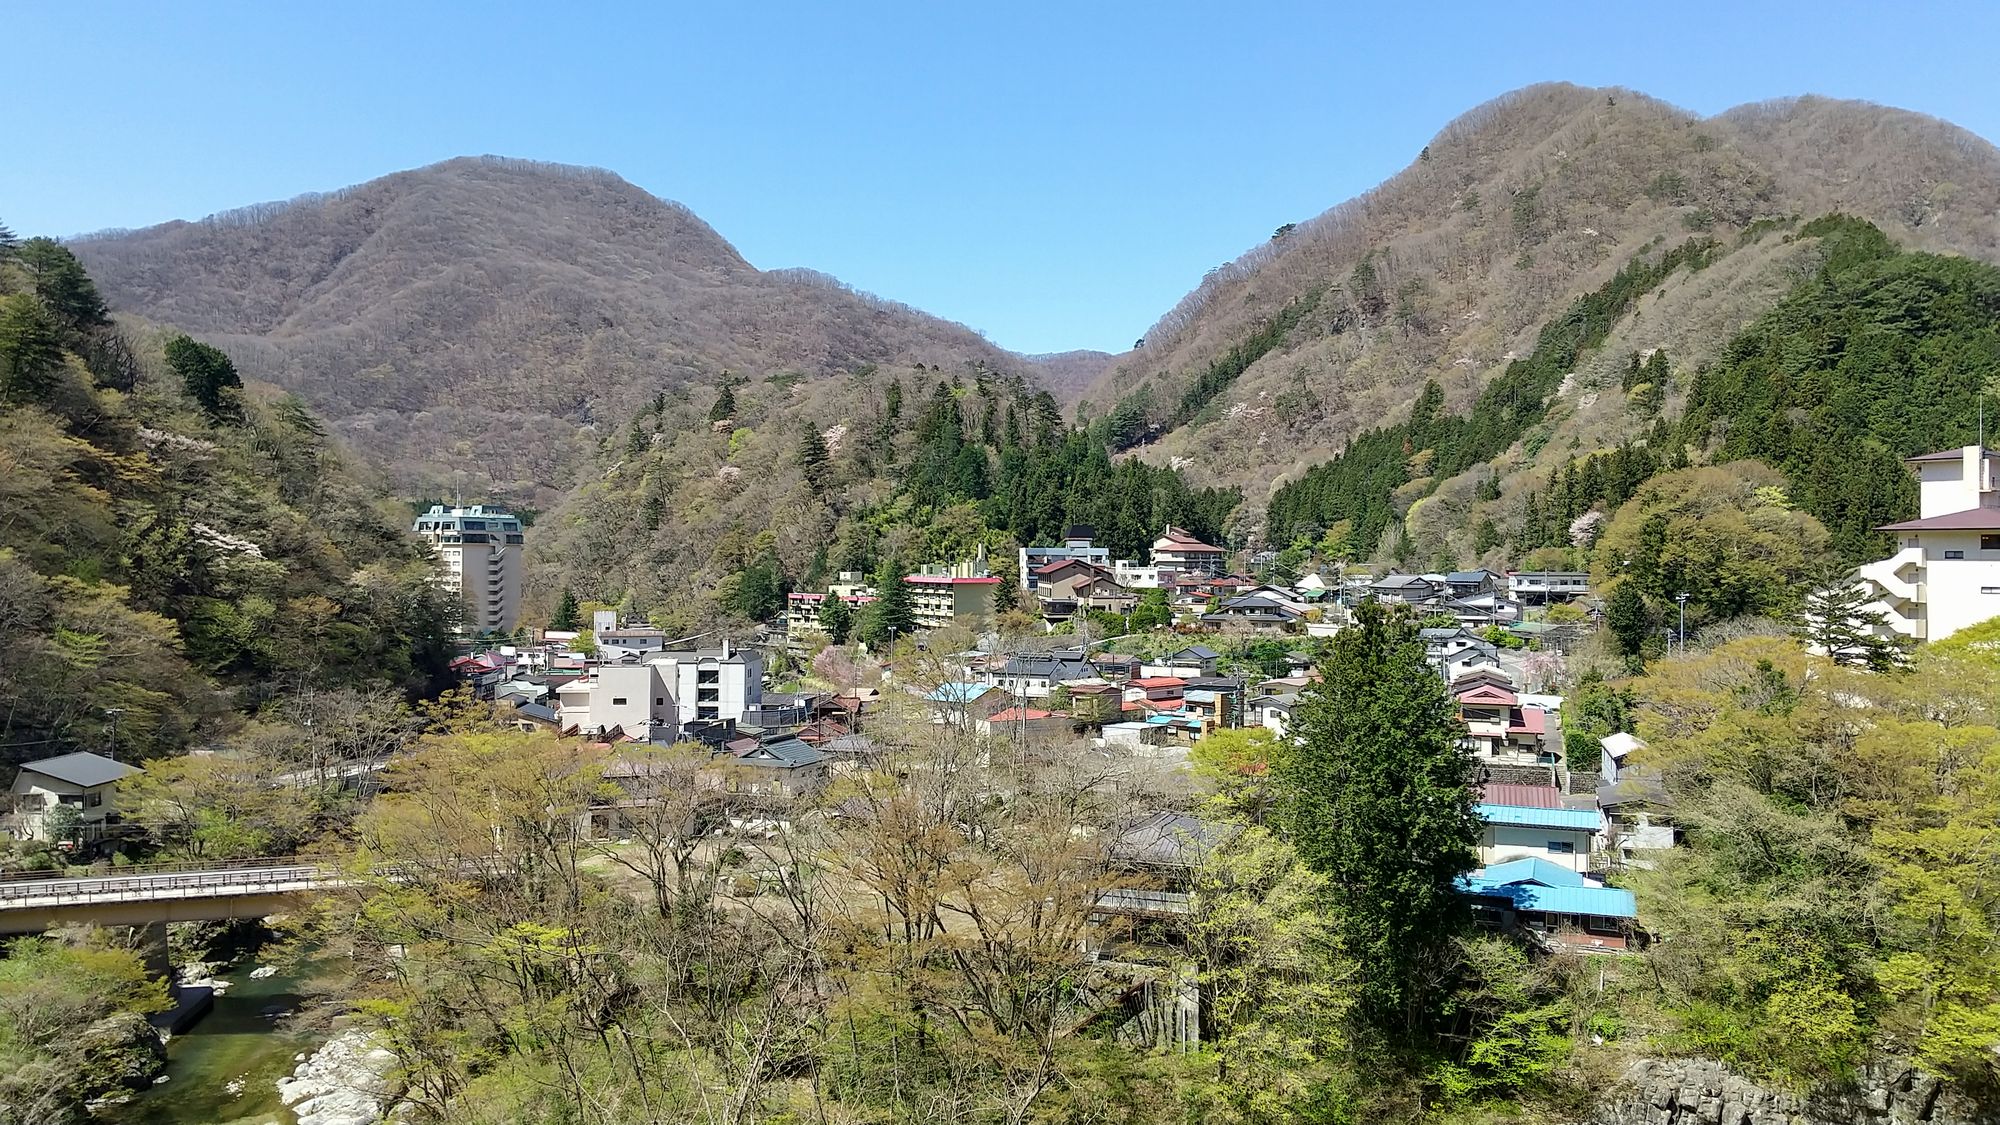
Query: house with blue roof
{"x": 1561, "y": 908}
{"x": 1565, "y": 837}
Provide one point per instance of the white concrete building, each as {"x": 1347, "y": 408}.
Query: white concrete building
{"x": 479, "y": 553}
{"x": 715, "y": 684}
{"x": 637, "y": 700}
{"x": 1945, "y": 574}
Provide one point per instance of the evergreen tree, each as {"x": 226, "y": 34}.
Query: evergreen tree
{"x": 1836, "y": 620}
{"x": 760, "y": 590}
{"x": 8, "y": 242}
{"x": 207, "y": 375}
{"x": 892, "y": 407}
{"x": 30, "y": 349}
{"x": 62, "y": 284}
{"x": 1630, "y": 621}
{"x": 1377, "y": 796}
{"x": 893, "y": 613}
{"x": 814, "y": 461}
{"x": 835, "y": 618}
{"x": 725, "y": 402}
{"x": 569, "y": 613}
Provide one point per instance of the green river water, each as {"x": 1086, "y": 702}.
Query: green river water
{"x": 236, "y": 1041}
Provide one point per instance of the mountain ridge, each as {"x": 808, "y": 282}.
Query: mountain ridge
{"x": 1512, "y": 210}
{"x": 505, "y": 305}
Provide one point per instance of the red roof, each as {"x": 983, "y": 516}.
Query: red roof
{"x": 1528, "y": 720}
{"x": 1182, "y": 543}
{"x": 1490, "y": 694}
{"x": 1975, "y": 519}
{"x": 1157, "y": 681}
{"x": 1521, "y": 796}
{"x": 950, "y": 580}
{"x": 1019, "y": 714}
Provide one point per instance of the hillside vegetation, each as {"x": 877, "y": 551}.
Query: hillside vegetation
{"x": 1448, "y": 272}
{"x": 481, "y": 316}
{"x": 176, "y": 547}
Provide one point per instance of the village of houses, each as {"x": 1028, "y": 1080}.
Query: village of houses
{"x": 1552, "y": 833}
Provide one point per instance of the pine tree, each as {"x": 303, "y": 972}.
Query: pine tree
{"x": 1377, "y": 796}
{"x": 892, "y": 407}
{"x": 8, "y": 242}
{"x": 814, "y": 460}
{"x": 569, "y": 613}
{"x": 30, "y": 349}
{"x": 207, "y": 375}
{"x": 1836, "y": 620}
{"x": 725, "y": 403}
{"x": 835, "y": 618}
{"x": 62, "y": 284}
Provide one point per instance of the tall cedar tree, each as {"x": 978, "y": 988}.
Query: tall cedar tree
{"x": 725, "y": 404}
{"x": 893, "y": 613}
{"x": 835, "y": 618}
{"x": 207, "y": 375}
{"x": 1377, "y": 796}
{"x": 1629, "y": 619}
{"x": 814, "y": 461}
{"x": 569, "y": 614}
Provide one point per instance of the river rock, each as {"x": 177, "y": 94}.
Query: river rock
{"x": 262, "y": 971}
{"x": 346, "y": 1082}
{"x": 1704, "y": 1092}
{"x": 122, "y": 1051}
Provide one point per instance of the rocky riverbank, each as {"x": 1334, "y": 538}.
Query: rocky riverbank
{"x": 345, "y": 1082}
{"x": 1701, "y": 1092}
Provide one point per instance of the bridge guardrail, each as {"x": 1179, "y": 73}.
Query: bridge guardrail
{"x": 126, "y": 887}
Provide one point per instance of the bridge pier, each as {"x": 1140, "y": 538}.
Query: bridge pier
{"x": 151, "y": 939}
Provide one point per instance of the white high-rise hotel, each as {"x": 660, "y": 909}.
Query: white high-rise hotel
{"x": 479, "y": 556}
{"x": 1945, "y": 574}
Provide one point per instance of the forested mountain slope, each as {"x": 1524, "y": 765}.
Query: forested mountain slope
{"x": 1449, "y": 270}
{"x": 176, "y": 547}
{"x": 471, "y": 315}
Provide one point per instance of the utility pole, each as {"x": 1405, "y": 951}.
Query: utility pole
{"x": 1682, "y": 598}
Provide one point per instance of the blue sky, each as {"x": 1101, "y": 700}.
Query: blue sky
{"x": 1054, "y": 175}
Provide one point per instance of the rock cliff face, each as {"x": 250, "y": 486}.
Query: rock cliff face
{"x": 1700, "y": 1092}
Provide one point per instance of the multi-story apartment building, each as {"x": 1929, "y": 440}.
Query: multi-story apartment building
{"x": 1945, "y": 574}
{"x": 479, "y": 558}
{"x": 1182, "y": 553}
{"x": 961, "y": 594}
{"x": 1076, "y": 544}
{"x": 717, "y": 684}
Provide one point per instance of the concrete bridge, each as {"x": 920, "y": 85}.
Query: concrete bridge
{"x": 157, "y": 893}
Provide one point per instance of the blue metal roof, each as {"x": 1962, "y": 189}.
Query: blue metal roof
{"x": 1587, "y": 820}
{"x": 1608, "y": 902}
{"x": 958, "y": 692}
{"x": 1531, "y": 869}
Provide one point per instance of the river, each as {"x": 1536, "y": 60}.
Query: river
{"x": 238, "y": 1041}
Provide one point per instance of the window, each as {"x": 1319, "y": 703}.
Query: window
{"x": 618, "y": 701}
{"x": 1954, "y": 554}
{"x": 659, "y": 701}
{"x": 93, "y": 800}
{"x": 1561, "y": 847}
{"x": 1989, "y": 589}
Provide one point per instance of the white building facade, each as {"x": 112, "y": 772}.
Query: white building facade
{"x": 1945, "y": 574}
{"x": 479, "y": 558}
